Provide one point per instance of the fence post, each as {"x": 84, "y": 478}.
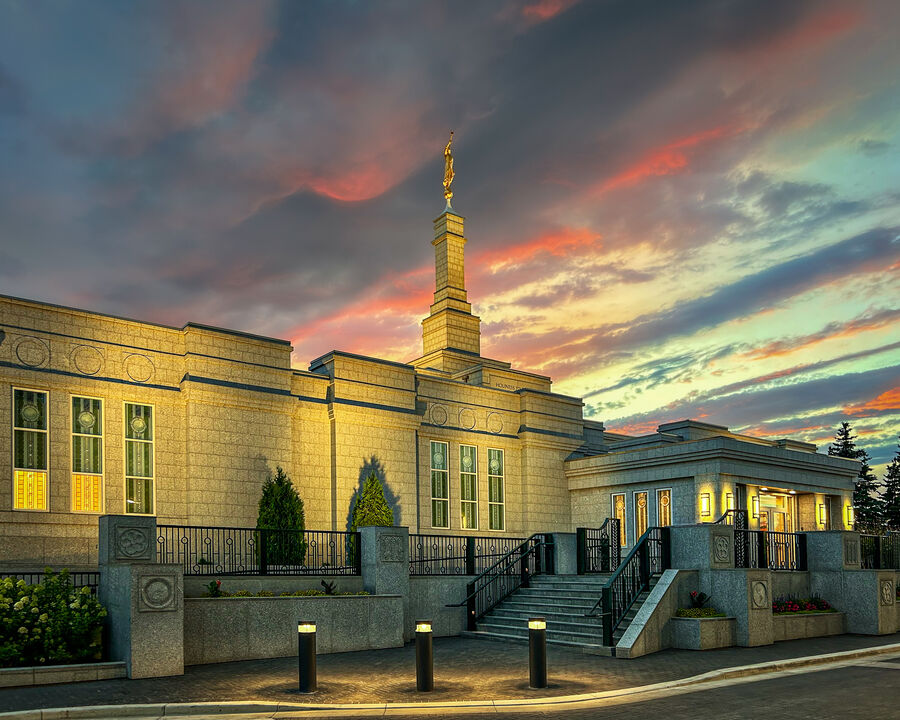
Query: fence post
{"x": 263, "y": 559}
{"x": 470, "y": 606}
{"x": 470, "y": 556}
{"x": 615, "y": 544}
{"x": 802, "y": 563}
{"x": 549, "y": 546}
{"x": 878, "y": 562}
{"x": 666, "y": 549}
{"x": 523, "y": 569}
{"x": 606, "y": 617}
{"x": 762, "y": 549}
{"x": 357, "y": 555}
{"x": 581, "y": 550}
{"x": 644, "y": 560}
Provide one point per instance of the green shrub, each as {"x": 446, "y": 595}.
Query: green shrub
{"x": 265, "y": 593}
{"x": 280, "y": 508}
{"x": 242, "y": 593}
{"x": 49, "y": 623}
{"x": 698, "y": 612}
{"x": 369, "y": 507}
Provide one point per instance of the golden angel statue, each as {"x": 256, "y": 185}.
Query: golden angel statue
{"x": 448, "y": 170}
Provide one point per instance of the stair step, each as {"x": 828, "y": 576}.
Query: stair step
{"x": 552, "y": 593}
{"x": 571, "y": 625}
{"x": 593, "y": 648}
{"x": 521, "y": 631}
{"x": 548, "y": 614}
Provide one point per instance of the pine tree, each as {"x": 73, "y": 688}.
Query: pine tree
{"x": 890, "y": 497}
{"x": 280, "y": 508}
{"x": 865, "y": 498}
{"x": 370, "y": 507}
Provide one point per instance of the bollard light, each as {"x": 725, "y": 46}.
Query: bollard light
{"x": 424, "y": 656}
{"x": 537, "y": 652}
{"x": 306, "y": 655}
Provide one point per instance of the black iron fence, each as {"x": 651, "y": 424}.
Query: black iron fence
{"x": 651, "y": 555}
{"x": 764, "y": 549}
{"x": 258, "y": 551}
{"x": 599, "y": 550}
{"x": 880, "y": 552}
{"x": 455, "y": 554}
{"x": 90, "y": 580}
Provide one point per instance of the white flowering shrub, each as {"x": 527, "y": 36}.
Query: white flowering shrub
{"x": 49, "y": 623}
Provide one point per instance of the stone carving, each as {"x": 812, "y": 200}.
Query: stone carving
{"x": 139, "y": 368}
{"x": 438, "y": 414}
{"x": 133, "y": 543}
{"x": 759, "y": 594}
{"x": 851, "y": 552}
{"x": 721, "y": 549}
{"x": 157, "y": 593}
{"x": 87, "y": 360}
{"x": 391, "y": 548}
{"x": 495, "y": 423}
{"x": 467, "y": 418}
{"x": 887, "y": 592}
{"x": 32, "y": 352}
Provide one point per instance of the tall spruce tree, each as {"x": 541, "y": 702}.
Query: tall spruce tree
{"x": 890, "y": 496}
{"x": 370, "y": 507}
{"x": 281, "y": 509}
{"x": 865, "y": 491}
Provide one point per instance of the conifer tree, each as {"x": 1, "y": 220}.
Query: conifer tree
{"x": 890, "y": 497}
{"x": 280, "y": 508}
{"x": 370, "y": 506}
{"x": 865, "y": 498}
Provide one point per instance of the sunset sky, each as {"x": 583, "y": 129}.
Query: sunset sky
{"x": 675, "y": 209}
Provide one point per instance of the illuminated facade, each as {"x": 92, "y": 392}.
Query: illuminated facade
{"x": 109, "y": 415}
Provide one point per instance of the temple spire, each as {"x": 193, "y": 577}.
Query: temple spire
{"x": 448, "y": 172}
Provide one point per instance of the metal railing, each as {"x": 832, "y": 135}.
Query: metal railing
{"x": 651, "y": 554}
{"x": 599, "y": 550}
{"x": 764, "y": 549}
{"x": 78, "y": 580}
{"x": 880, "y": 552}
{"x": 513, "y": 570}
{"x": 258, "y": 551}
{"x": 456, "y": 554}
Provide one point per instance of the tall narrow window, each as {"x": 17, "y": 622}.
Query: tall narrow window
{"x": 664, "y": 508}
{"x": 496, "y": 491}
{"x": 618, "y": 502}
{"x": 440, "y": 486}
{"x": 139, "y": 473}
{"x": 640, "y": 514}
{"x": 29, "y": 450}
{"x": 87, "y": 455}
{"x": 468, "y": 487}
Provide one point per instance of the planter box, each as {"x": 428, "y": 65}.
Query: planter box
{"x": 702, "y": 633}
{"x": 797, "y": 627}
{"x": 50, "y": 674}
{"x": 228, "y": 629}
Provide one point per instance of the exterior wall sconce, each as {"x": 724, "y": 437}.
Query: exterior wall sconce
{"x": 756, "y": 506}
{"x": 851, "y": 516}
{"x": 729, "y": 501}
{"x": 306, "y": 655}
{"x": 424, "y": 656}
{"x": 821, "y": 513}
{"x": 704, "y": 505}
{"x": 537, "y": 652}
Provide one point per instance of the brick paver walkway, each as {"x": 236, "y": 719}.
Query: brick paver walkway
{"x": 464, "y": 669}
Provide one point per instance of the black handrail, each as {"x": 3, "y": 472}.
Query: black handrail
{"x": 632, "y": 578}
{"x": 599, "y": 550}
{"x": 735, "y": 516}
{"x": 512, "y": 571}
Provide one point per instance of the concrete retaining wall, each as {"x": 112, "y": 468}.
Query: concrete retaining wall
{"x": 52, "y": 674}
{"x": 195, "y": 585}
{"x": 798, "y": 627}
{"x": 790, "y": 584}
{"x": 702, "y": 633}
{"x": 227, "y": 629}
{"x": 428, "y": 597}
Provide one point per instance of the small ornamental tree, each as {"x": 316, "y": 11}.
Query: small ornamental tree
{"x": 865, "y": 499}
{"x": 890, "y": 498}
{"x": 370, "y": 507}
{"x": 280, "y": 508}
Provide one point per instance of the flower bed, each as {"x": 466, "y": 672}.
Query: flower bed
{"x": 702, "y": 633}
{"x": 800, "y": 606}
{"x": 51, "y": 623}
{"x": 214, "y": 590}
{"x": 706, "y": 612}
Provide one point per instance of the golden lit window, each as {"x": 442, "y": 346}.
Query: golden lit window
{"x": 87, "y": 454}
{"x": 30, "y": 447}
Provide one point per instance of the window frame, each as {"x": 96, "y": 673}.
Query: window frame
{"x": 12, "y": 448}
{"x": 474, "y": 474}
{"x": 623, "y": 522}
{"x": 671, "y": 515}
{"x": 125, "y": 475}
{"x": 446, "y": 472}
{"x": 102, "y": 474}
{"x": 502, "y": 477}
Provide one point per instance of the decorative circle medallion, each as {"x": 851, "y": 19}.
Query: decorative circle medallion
{"x": 86, "y": 419}
{"x": 467, "y": 461}
{"x": 133, "y": 542}
{"x": 438, "y": 414}
{"x": 87, "y": 360}
{"x": 30, "y": 413}
{"x": 138, "y": 425}
{"x": 495, "y": 464}
{"x": 438, "y": 459}
{"x": 466, "y": 418}
{"x": 139, "y": 368}
{"x": 32, "y": 352}
{"x": 495, "y": 423}
{"x": 158, "y": 593}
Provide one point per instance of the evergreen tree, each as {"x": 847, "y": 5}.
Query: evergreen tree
{"x": 865, "y": 498}
{"x": 890, "y": 497}
{"x": 370, "y": 507}
{"x": 280, "y": 508}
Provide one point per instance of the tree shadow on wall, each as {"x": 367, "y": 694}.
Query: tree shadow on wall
{"x": 373, "y": 465}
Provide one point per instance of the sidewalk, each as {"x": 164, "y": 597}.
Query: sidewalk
{"x": 464, "y": 669}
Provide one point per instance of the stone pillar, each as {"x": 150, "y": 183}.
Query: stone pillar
{"x": 832, "y": 550}
{"x": 565, "y": 549}
{"x": 702, "y": 547}
{"x": 144, "y": 599}
{"x": 385, "y": 567}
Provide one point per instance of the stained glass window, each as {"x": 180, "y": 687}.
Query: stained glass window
{"x": 663, "y": 508}
{"x": 29, "y": 425}
{"x": 87, "y": 454}
{"x": 496, "y": 491}
{"x": 468, "y": 487}
{"x": 440, "y": 485}
{"x": 139, "y": 468}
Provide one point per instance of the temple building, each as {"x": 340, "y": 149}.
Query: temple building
{"x": 110, "y": 415}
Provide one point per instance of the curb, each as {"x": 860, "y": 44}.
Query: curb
{"x": 158, "y": 710}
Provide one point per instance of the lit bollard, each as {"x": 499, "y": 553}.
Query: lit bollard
{"x": 537, "y": 652}
{"x": 306, "y": 654}
{"x": 424, "y": 656}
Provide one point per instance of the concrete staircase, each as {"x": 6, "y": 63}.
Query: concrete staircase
{"x": 564, "y": 600}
